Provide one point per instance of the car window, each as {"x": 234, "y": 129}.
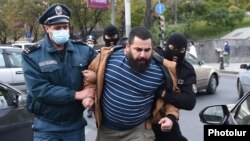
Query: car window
{"x": 243, "y": 113}
{"x": 2, "y": 64}
{"x": 15, "y": 58}
{"x": 27, "y": 45}
{"x": 3, "y": 102}
{"x": 19, "y": 46}
{"x": 191, "y": 59}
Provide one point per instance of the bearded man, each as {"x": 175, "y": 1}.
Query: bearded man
{"x": 127, "y": 80}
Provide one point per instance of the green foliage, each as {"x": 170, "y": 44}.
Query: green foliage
{"x": 137, "y": 12}
{"x": 198, "y": 19}
{"x": 204, "y": 31}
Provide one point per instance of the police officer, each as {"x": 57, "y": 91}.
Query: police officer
{"x": 53, "y": 74}
{"x": 90, "y": 40}
{"x": 185, "y": 98}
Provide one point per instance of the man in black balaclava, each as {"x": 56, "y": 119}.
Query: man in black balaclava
{"x": 185, "y": 98}
{"x": 176, "y": 47}
{"x": 110, "y": 35}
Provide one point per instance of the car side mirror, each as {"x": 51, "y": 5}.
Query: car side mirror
{"x": 243, "y": 66}
{"x": 215, "y": 115}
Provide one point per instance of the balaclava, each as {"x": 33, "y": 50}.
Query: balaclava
{"x": 110, "y": 31}
{"x": 175, "y": 43}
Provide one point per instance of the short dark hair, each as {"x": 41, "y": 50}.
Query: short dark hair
{"x": 141, "y": 32}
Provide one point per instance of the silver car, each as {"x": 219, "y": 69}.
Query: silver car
{"x": 15, "y": 120}
{"x": 243, "y": 80}
{"x": 207, "y": 76}
{"x": 10, "y": 67}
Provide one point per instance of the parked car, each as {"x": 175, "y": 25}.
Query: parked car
{"x": 22, "y": 45}
{"x": 243, "y": 80}
{"x": 15, "y": 121}
{"x": 207, "y": 76}
{"x": 10, "y": 67}
{"x": 232, "y": 114}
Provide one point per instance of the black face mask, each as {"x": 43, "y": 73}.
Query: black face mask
{"x": 169, "y": 54}
{"x": 113, "y": 35}
{"x": 176, "y": 46}
{"x": 111, "y": 41}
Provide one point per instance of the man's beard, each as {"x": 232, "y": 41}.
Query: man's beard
{"x": 140, "y": 64}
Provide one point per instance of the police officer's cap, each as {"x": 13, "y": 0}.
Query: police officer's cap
{"x": 90, "y": 38}
{"x": 54, "y": 14}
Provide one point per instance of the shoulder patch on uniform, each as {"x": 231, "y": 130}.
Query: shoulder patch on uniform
{"x": 31, "y": 48}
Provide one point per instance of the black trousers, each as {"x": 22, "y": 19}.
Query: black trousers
{"x": 173, "y": 135}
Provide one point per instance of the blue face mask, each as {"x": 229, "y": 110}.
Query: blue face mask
{"x": 60, "y": 36}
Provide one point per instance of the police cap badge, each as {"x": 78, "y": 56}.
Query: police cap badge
{"x": 54, "y": 14}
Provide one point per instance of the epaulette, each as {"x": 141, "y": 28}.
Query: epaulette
{"x": 31, "y": 48}
{"x": 78, "y": 42}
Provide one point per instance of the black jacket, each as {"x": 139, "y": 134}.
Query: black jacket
{"x": 186, "y": 77}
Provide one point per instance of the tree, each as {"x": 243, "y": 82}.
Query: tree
{"x": 84, "y": 19}
{"x": 30, "y": 11}
{"x": 190, "y": 12}
{"x": 236, "y": 16}
{"x": 148, "y": 15}
{"x": 12, "y": 19}
{"x": 3, "y": 32}
{"x": 241, "y": 4}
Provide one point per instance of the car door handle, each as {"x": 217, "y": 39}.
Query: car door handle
{"x": 19, "y": 72}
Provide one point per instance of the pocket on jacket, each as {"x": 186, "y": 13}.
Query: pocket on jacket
{"x": 50, "y": 68}
{"x": 81, "y": 64}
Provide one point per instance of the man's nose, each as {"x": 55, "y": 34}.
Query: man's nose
{"x": 142, "y": 54}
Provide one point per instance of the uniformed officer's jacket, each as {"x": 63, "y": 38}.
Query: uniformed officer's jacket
{"x": 99, "y": 64}
{"x": 52, "y": 83}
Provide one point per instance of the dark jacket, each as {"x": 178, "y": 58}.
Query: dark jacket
{"x": 52, "y": 83}
{"x": 185, "y": 98}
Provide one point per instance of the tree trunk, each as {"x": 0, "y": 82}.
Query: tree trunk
{"x": 147, "y": 18}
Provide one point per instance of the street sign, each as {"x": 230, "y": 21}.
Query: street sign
{"x": 160, "y": 8}
{"x": 28, "y": 35}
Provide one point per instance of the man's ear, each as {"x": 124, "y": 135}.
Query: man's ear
{"x": 127, "y": 47}
{"x": 46, "y": 28}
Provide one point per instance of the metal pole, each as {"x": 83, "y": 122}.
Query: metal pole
{"x": 113, "y": 11}
{"x": 127, "y": 17}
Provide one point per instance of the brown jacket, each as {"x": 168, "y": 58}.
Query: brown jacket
{"x": 98, "y": 65}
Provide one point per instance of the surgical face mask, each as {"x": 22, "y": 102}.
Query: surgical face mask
{"x": 90, "y": 44}
{"x": 60, "y": 36}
